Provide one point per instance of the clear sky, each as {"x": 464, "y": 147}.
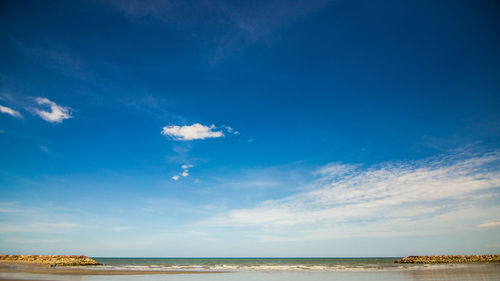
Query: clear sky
{"x": 260, "y": 128}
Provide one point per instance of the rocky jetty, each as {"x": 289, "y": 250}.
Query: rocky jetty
{"x": 450, "y": 259}
{"x": 56, "y": 260}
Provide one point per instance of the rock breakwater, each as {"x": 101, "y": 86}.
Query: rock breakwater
{"x": 450, "y": 259}
{"x": 57, "y": 260}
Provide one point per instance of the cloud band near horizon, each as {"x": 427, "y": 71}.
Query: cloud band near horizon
{"x": 389, "y": 198}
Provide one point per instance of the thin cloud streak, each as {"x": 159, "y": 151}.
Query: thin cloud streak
{"x": 10, "y": 111}
{"x": 39, "y": 227}
{"x": 243, "y": 24}
{"x": 490, "y": 224}
{"x": 390, "y": 195}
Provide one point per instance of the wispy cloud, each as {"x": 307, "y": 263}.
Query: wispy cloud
{"x": 379, "y": 199}
{"x": 196, "y": 131}
{"x": 56, "y": 114}
{"x": 231, "y": 130}
{"x": 44, "y": 148}
{"x": 490, "y": 224}
{"x": 120, "y": 228}
{"x": 236, "y": 25}
{"x": 17, "y": 218}
{"x": 184, "y": 173}
{"x": 54, "y": 56}
{"x": 10, "y": 111}
{"x": 185, "y": 170}
{"x": 39, "y": 227}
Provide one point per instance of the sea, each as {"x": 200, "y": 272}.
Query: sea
{"x": 274, "y": 269}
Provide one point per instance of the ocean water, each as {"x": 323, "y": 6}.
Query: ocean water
{"x": 250, "y": 264}
{"x": 276, "y": 269}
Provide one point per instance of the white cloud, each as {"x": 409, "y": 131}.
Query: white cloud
{"x": 196, "y": 131}
{"x": 184, "y": 173}
{"x": 10, "y": 111}
{"x": 231, "y": 130}
{"x": 57, "y": 113}
{"x": 490, "y": 224}
{"x": 383, "y": 199}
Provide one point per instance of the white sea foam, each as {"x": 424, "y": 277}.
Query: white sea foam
{"x": 267, "y": 267}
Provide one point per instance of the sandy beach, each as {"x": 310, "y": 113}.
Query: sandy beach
{"x": 16, "y": 267}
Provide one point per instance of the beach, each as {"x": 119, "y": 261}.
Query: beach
{"x": 252, "y": 269}
{"x": 220, "y": 140}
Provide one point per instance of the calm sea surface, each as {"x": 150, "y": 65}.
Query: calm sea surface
{"x": 276, "y": 269}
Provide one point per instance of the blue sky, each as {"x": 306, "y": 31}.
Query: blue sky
{"x": 267, "y": 128}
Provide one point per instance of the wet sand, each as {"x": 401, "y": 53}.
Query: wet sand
{"x": 19, "y": 280}
{"x": 13, "y": 267}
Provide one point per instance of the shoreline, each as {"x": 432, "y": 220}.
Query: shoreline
{"x": 23, "y": 267}
{"x": 412, "y": 264}
{"x": 464, "y": 272}
{"x": 15, "y": 267}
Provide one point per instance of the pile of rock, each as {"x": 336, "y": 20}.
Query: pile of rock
{"x": 56, "y": 260}
{"x": 450, "y": 259}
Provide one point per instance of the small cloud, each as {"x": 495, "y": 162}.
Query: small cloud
{"x": 181, "y": 148}
{"x": 147, "y": 210}
{"x": 57, "y": 113}
{"x": 10, "y": 111}
{"x": 196, "y": 131}
{"x": 231, "y": 130}
{"x": 185, "y": 172}
{"x": 490, "y": 224}
{"x": 121, "y": 228}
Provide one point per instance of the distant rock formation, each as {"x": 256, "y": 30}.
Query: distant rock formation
{"x": 450, "y": 259}
{"x": 56, "y": 260}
